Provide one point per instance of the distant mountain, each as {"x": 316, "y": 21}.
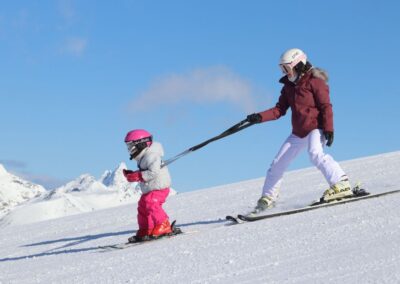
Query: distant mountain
{"x": 116, "y": 181}
{"x": 16, "y": 191}
{"x": 110, "y": 182}
{"x": 83, "y": 184}
{"x": 84, "y": 194}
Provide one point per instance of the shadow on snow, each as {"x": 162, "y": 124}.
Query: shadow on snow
{"x": 73, "y": 241}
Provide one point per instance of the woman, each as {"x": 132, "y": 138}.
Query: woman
{"x": 306, "y": 93}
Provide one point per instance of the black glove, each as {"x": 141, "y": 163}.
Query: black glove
{"x": 329, "y": 138}
{"x": 254, "y": 118}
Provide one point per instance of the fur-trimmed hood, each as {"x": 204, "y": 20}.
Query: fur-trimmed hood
{"x": 320, "y": 73}
{"x": 315, "y": 72}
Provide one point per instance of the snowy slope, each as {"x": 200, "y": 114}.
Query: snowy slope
{"x": 84, "y": 194}
{"x": 15, "y": 191}
{"x": 350, "y": 243}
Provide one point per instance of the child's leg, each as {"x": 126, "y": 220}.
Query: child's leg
{"x": 156, "y": 211}
{"x": 145, "y": 221}
{"x": 160, "y": 218}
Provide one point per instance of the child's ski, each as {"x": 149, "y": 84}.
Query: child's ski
{"x": 175, "y": 231}
{"x": 120, "y": 246}
{"x": 234, "y": 220}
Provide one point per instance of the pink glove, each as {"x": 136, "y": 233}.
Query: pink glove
{"x": 132, "y": 176}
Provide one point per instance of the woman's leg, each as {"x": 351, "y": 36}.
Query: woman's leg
{"x": 289, "y": 150}
{"x": 331, "y": 170}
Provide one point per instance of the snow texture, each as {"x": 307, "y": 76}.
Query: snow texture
{"x": 84, "y": 194}
{"x": 350, "y": 243}
{"x": 15, "y": 191}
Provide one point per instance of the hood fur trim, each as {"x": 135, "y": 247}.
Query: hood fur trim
{"x": 320, "y": 73}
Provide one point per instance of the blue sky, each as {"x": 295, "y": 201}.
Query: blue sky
{"x": 77, "y": 75}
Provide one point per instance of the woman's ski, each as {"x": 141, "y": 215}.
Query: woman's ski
{"x": 315, "y": 205}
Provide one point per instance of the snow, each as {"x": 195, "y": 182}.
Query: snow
{"x": 84, "y": 194}
{"x": 15, "y": 191}
{"x": 350, "y": 243}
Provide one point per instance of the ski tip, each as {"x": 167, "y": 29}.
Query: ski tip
{"x": 232, "y": 219}
{"x": 242, "y": 217}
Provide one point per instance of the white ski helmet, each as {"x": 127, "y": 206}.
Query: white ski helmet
{"x": 290, "y": 58}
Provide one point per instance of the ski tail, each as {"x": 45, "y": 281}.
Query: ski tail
{"x": 175, "y": 230}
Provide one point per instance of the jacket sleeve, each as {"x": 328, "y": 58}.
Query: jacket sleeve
{"x": 276, "y": 112}
{"x": 323, "y": 103}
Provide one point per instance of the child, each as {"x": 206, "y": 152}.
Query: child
{"x": 154, "y": 182}
{"x": 306, "y": 93}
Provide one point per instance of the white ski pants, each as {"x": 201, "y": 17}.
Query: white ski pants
{"x": 315, "y": 142}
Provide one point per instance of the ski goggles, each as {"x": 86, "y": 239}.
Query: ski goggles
{"x": 131, "y": 147}
{"x": 134, "y": 147}
{"x": 286, "y": 68}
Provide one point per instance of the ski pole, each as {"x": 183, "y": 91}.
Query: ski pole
{"x": 237, "y": 127}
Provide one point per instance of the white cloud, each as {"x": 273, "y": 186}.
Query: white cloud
{"x": 207, "y": 85}
{"x": 75, "y": 46}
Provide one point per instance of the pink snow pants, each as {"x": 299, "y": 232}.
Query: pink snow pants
{"x": 150, "y": 211}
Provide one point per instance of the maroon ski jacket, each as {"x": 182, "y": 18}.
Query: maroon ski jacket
{"x": 309, "y": 101}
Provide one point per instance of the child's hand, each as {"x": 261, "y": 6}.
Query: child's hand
{"x": 126, "y": 172}
{"x": 132, "y": 176}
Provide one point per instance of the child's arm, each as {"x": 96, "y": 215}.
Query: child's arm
{"x": 132, "y": 176}
{"x": 153, "y": 168}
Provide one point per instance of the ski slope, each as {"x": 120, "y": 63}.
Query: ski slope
{"x": 350, "y": 243}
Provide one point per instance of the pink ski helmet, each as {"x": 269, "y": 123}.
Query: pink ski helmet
{"x": 137, "y": 140}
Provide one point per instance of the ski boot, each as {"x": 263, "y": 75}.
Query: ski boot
{"x": 142, "y": 235}
{"x": 162, "y": 229}
{"x": 339, "y": 190}
{"x": 165, "y": 229}
{"x": 264, "y": 203}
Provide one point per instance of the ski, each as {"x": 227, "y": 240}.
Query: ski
{"x": 313, "y": 206}
{"x": 175, "y": 231}
{"x": 234, "y": 220}
{"x": 120, "y": 246}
